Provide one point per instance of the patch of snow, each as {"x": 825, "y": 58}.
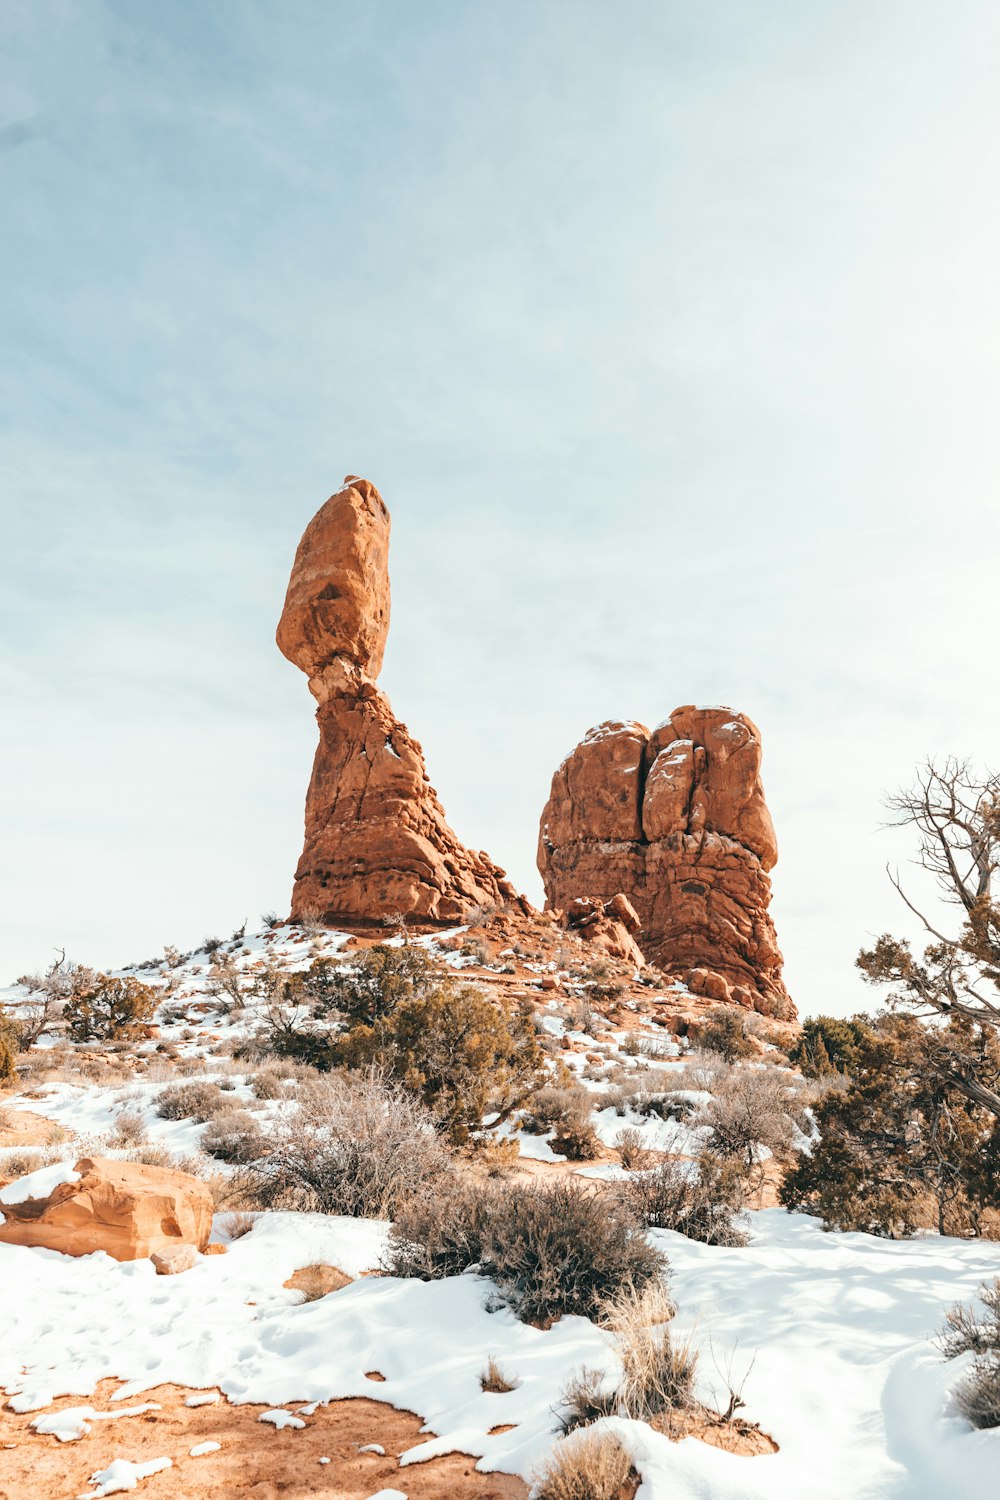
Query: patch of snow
{"x": 675, "y": 1136}
{"x": 531, "y": 1147}
{"x": 73, "y": 1422}
{"x": 280, "y": 1419}
{"x": 40, "y": 1184}
{"x": 32, "y": 1400}
{"x": 122, "y": 1475}
{"x": 203, "y": 1398}
{"x": 201, "y": 1448}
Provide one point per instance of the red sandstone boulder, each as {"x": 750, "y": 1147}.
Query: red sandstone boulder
{"x": 128, "y": 1210}
{"x": 337, "y": 604}
{"x": 376, "y": 837}
{"x": 607, "y": 925}
{"x": 677, "y": 821}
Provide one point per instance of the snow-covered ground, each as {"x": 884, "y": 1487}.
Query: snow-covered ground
{"x": 834, "y": 1333}
{"x": 837, "y": 1331}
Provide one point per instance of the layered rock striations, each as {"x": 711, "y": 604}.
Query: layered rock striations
{"x": 376, "y": 838}
{"x": 676, "y": 820}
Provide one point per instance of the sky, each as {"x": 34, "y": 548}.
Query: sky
{"x": 670, "y": 333}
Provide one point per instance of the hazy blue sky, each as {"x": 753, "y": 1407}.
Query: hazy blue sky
{"x": 669, "y": 331}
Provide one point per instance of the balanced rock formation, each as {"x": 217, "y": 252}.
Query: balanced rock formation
{"x": 376, "y": 838}
{"x": 126, "y": 1209}
{"x": 676, "y": 819}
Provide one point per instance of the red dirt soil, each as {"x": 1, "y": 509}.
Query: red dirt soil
{"x": 254, "y": 1460}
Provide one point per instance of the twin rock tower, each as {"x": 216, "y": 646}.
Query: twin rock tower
{"x": 674, "y": 819}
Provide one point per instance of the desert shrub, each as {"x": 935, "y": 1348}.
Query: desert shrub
{"x": 586, "y": 1466}
{"x": 580, "y": 1016}
{"x": 574, "y": 1136}
{"x": 904, "y": 1147}
{"x": 586, "y": 1397}
{"x": 23, "y": 1159}
{"x": 396, "y": 1009}
{"x": 636, "y": 1090}
{"x": 726, "y": 1032}
{"x": 752, "y": 1107}
{"x": 199, "y": 1101}
{"x": 632, "y": 1150}
{"x": 234, "y": 1136}
{"x": 106, "y": 1008}
{"x": 368, "y": 986}
{"x": 702, "y": 1200}
{"x": 225, "y": 979}
{"x": 494, "y": 1156}
{"x": 700, "y": 1072}
{"x": 273, "y": 1082}
{"x": 48, "y": 994}
{"x": 359, "y": 1145}
{"x": 968, "y": 1330}
{"x": 551, "y": 1250}
{"x": 153, "y": 1154}
{"x": 676, "y": 1105}
{"x": 130, "y": 1129}
{"x": 552, "y": 1103}
{"x": 441, "y": 1234}
{"x": 10, "y": 1046}
{"x": 827, "y": 1044}
{"x": 658, "y": 1371}
{"x": 603, "y": 984}
{"x": 454, "y": 1049}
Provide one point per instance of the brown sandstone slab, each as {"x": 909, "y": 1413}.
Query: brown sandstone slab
{"x": 126, "y": 1209}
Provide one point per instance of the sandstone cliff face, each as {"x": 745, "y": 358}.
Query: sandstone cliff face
{"x": 676, "y": 819}
{"x": 376, "y": 837}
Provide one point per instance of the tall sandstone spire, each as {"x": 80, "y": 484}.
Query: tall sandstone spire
{"x": 676, "y": 819}
{"x": 376, "y": 838}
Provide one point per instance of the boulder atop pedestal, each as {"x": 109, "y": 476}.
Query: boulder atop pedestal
{"x": 377, "y": 842}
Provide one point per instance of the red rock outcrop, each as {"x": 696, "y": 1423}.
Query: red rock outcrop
{"x": 376, "y": 838}
{"x": 126, "y": 1209}
{"x": 677, "y": 820}
{"x": 608, "y": 925}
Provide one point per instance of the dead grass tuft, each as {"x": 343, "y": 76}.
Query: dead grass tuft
{"x": 586, "y": 1466}
{"x": 493, "y": 1379}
